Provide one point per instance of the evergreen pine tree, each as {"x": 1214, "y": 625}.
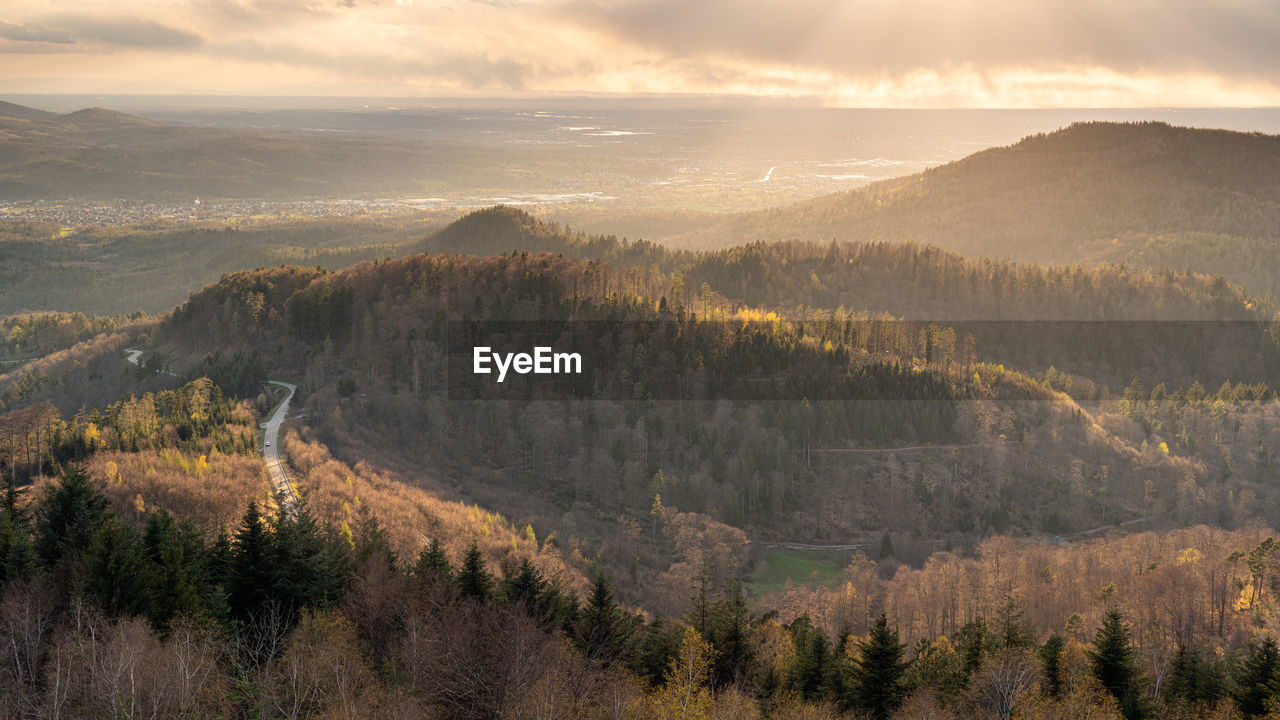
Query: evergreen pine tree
{"x": 1197, "y": 678}
{"x": 656, "y": 644}
{"x": 173, "y": 556}
{"x": 371, "y": 541}
{"x": 973, "y": 643}
{"x": 1258, "y": 679}
{"x": 886, "y": 548}
{"x": 880, "y": 670}
{"x": 1184, "y": 676}
{"x": 603, "y": 631}
{"x": 526, "y": 588}
{"x": 1015, "y": 631}
{"x": 1115, "y": 664}
{"x": 812, "y": 672}
{"x": 115, "y": 571}
{"x": 1051, "y": 662}
{"x": 218, "y": 561}
{"x": 700, "y": 615}
{"x": 524, "y": 585}
{"x": 433, "y": 566}
{"x": 215, "y": 574}
{"x": 473, "y": 580}
{"x": 731, "y": 636}
{"x": 312, "y": 565}
{"x": 9, "y": 506}
{"x": 70, "y": 514}
{"x": 17, "y": 554}
{"x": 560, "y": 608}
{"x": 252, "y": 572}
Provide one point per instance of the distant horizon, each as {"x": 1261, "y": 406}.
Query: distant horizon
{"x": 672, "y": 100}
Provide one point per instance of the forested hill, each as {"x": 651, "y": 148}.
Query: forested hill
{"x": 504, "y": 229}
{"x": 1106, "y": 322}
{"x": 394, "y": 316}
{"x": 1087, "y": 192}
{"x": 927, "y": 283}
{"x": 1025, "y": 315}
{"x": 905, "y": 279}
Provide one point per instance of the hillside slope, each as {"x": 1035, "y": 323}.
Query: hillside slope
{"x": 367, "y": 345}
{"x": 1108, "y": 322}
{"x": 13, "y": 110}
{"x": 105, "y": 270}
{"x": 818, "y": 423}
{"x": 1092, "y": 191}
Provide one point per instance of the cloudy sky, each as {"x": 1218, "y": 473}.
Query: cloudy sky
{"x": 901, "y": 53}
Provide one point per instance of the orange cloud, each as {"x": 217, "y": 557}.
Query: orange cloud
{"x": 912, "y": 53}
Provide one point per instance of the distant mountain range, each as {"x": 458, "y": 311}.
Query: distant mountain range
{"x": 1089, "y": 192}
{"x": 103, "y": 154}
{"x": 11, "y": 110}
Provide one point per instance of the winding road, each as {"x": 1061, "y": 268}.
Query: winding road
{"x": 271, "y": 452}
{"x": 286, "y": 495}
{"x": 133, "y": 355}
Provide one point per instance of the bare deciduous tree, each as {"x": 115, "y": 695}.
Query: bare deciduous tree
{"x": 1007, "y": 681}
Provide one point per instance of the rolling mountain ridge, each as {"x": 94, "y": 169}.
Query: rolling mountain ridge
{"x": 1089, "y": 192}
{"x": 104, "y": 154}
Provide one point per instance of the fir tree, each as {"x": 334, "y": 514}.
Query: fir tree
{"x": 1115, "y": 664}
{"x": 311, "y": 564}
{"x": 1051, "y": 661}
{"x": 880, "y": 671}
{"x": 814, "y": 666}
{"x": 432, "y": 568}
{"x": 1258, "y": 679}
{"x": 473, "y": 579}
{"x": 251, "y": 574}
{"x": 70, "y": 514}
{"x": 371, "y": 541}
{"x": 730, "y": 635}
{"x": 656, "y": 644}
{"x": 603, "y": 631}
{"x": 115, "y": 571}
{"x": 1196, "y": 678}
{"x": 973, "y": 643}
{"x": 174, "y": 558}
{"x": 1015, "y": 631}
{"x": 526, "y": 588}
{"x": 17, "y": 553}
{"x": 700, "y": 614}
{"x": 886, "y": 548}
{"x": 18, "y": 558}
